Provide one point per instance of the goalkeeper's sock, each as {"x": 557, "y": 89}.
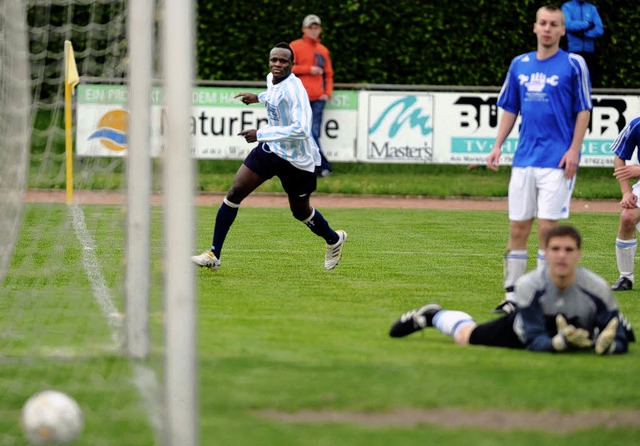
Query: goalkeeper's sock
{"x": 448, "y": 322}
{"x": 224, "y": 219}
{"x": 625, "y": 256}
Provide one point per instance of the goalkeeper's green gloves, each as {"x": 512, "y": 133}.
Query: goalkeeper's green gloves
{"x": 605, "y": 344}
{"x": 569, "y": 336}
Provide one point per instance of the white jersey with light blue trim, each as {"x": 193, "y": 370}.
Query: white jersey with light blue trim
{"x": 288, "y": 133}
{"x": 588, "y": 303}
{"x": 548, "y": 94}
{"x": 628, "y": 140}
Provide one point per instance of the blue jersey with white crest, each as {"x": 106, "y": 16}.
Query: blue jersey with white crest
{"x": 548, "y": 94}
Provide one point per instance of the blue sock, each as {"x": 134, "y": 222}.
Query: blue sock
{"x": 224, "y": 219}
{"x": 321, "y": 228}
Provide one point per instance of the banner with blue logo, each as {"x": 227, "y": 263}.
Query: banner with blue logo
{"x": 358, "y": 126}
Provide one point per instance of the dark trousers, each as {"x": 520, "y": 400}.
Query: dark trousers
{"x": 317, "y": 108}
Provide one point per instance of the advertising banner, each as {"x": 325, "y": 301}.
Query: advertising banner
{"x": 358, "y": 126}
{"x": 215, "y": 121}
{"x": 395, "y": 127}
{"x": 467, "y": 124}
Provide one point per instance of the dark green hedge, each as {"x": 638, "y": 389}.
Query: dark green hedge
{"x": 436, "y": 42}
{"x": 452, "y": 42}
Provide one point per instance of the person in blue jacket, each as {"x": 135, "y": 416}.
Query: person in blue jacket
{"x": 584, "y": 26}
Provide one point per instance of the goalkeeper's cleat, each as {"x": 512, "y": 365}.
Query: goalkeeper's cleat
{"x": 207, "y": 260}
{"x": 414, "y": 320}
{"x": 622, "y": 284}
{"x": 334, "y": 252}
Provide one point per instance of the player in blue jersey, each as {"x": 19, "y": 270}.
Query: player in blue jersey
{"x": 550, "y": 89}
{"x": 286, "y": 149}
{"x": 626, "y": 242}
{"x": 558, "y": 308}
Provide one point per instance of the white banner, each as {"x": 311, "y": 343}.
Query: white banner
{"x": 358, "y": 126}
{"x": 215, "y": 121}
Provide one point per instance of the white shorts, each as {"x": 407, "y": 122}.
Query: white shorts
{"x": 636, "y": 191}
{"x": 539, "y": 192}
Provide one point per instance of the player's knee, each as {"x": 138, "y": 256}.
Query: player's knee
{"x": 628, "y": 219}
{"x": 463, "y": 334}
{"x": 301, "y": 214}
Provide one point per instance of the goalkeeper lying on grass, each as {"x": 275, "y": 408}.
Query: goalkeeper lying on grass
{"x": 560, "y": 308}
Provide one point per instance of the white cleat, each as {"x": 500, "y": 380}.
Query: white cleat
{"x": 207, "y": 260}
{"x": 334, "y": 252}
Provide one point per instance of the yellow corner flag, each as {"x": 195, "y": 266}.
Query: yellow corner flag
{"x": 71, "y": 71}
{"x": 71, "y": 79}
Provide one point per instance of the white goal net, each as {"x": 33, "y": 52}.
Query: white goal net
{"x": 62, "y": 267}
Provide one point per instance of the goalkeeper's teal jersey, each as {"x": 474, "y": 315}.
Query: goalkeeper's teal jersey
{"x": 588, "y": 303}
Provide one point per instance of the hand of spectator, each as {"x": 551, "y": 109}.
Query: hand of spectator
{"x": 317, "y": 71}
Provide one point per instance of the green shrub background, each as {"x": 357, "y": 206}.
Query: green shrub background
{"x": 438, "y": 42}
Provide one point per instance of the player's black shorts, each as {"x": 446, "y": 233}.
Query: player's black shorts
{"x": 295, "y": 182}
{"x": 496, "y": 333}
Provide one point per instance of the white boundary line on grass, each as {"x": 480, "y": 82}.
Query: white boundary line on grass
{"x": 144, "y": 377}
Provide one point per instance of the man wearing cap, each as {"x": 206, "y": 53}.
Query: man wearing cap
{"x": 313, "y": 67}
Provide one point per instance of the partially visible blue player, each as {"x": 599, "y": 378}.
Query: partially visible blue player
{"x": 558, "y": 308}
{"x": 626, "y": 243}
{"x": 286, "y": 149}
{"x": 550, "y": 89}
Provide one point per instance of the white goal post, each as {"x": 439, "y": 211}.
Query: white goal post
{"x": 15, "y": 113}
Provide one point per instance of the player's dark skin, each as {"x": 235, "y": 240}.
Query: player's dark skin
{"x": 246, "y": 180}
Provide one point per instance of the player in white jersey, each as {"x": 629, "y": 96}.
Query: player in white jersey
{"x": 286, "y": 149}
{"x": 559, "y": 307}
{"x": 626, "y": 242}
{"x": 550, "y": 89}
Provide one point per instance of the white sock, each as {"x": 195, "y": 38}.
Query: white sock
{"x": 515, "y": 265}
{"x": 625, "y": 256}
{"x": 542, "y": 259}
{"x": 448, "y": 322}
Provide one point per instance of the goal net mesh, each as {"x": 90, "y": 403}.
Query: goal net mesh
{"x": 63, "y": 265}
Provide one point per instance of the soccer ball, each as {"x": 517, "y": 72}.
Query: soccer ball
{"x": 51, "y": 417}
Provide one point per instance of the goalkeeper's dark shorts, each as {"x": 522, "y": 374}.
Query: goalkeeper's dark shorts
{"x": 296, "y": 183}
{"x": 497, "y": 333}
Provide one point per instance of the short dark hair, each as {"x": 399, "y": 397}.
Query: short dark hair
{"x": 285, "y": 46}
{"x": 551, "y": 8}
{"x": 563, "y": 231}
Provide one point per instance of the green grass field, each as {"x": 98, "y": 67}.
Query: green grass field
{"x": 279, "y": 333}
